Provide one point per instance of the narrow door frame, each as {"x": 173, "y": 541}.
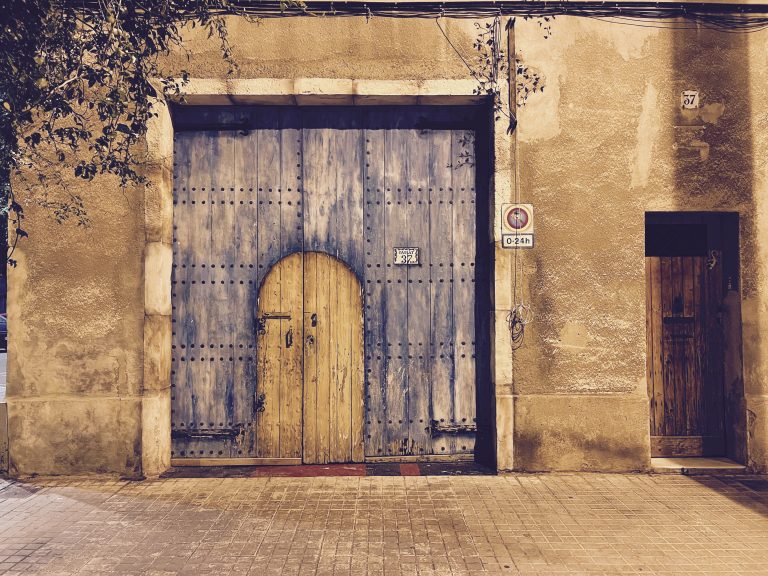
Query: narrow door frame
{"x": 722, "y": 243}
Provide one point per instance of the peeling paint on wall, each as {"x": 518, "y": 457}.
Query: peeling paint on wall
{"x": 574, "y": 335}
{"x": 711, "y": 113}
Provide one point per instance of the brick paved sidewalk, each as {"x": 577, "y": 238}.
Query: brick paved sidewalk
{"x": 526, "y": 524}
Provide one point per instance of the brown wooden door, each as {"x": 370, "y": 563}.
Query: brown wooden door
{"x": 310, "y": 361}
{"x": 685, "y": 359}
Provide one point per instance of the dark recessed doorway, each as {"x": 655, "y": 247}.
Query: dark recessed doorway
{"x": 691, "y": 304}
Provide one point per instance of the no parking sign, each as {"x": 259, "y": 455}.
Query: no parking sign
{"x": 517, "y": 226}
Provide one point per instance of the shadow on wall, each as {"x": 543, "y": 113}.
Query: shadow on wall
{"x": 576, "y": 452}
{"x": 714, "y": 171}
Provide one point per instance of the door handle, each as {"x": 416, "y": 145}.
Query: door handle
{"x": 313, "y": 320}
{"x": 261, "y": 321}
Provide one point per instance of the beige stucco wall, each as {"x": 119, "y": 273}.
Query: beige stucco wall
{"x": 90, "y": 310}
{"x": 603, "y": 144}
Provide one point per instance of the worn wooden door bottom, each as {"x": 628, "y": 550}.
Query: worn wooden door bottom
{"x": 681, "y": 446}
{"x": 176, "y": 462}
{"x": 422, "y": 458}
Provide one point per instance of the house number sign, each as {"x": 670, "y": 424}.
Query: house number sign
{"x": 689, "y": 99}
{"x": 407, "y": 256}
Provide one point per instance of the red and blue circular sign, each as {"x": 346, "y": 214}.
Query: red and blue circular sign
{"x": 518, "y": 218}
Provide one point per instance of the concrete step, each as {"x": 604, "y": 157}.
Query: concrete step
{"x": 696, "y": 466}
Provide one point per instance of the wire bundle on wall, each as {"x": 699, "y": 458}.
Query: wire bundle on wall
{"x": 721, "y": 16}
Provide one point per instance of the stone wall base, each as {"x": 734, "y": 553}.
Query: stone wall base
{"x": 607, "y": 433}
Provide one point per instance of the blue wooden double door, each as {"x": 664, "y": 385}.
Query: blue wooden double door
{"x": 390, "y": 192}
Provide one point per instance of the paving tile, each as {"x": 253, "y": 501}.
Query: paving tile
{"x": 427, "y": 525}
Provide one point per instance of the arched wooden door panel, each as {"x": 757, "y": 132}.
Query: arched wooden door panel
{"x": 310, "y": 361}
{"x": 279, "y": 361}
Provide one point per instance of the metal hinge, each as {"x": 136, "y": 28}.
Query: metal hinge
{"x": 436, "y": 428}
{"x": 208, "y": 433}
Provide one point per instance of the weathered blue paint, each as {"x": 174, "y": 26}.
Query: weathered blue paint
{"x": 355, "y": 183}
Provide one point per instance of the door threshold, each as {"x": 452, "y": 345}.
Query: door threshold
{"x": 201, "y": 462}
{"x": 420, "y": 458}
{"x": 332, "y": 470}
{"x": 693, "y": 466}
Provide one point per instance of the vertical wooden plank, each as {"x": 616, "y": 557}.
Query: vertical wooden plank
{"x": 321, "y": 231}
{"x": 676, "y": 286}
{"x": 291, "y": 354}
{"x": 342, "y": 410}
{"x": 244, "y": 293}
{"x": 657, "y": 398}
{"x": 335, "y": 359}
{"x": 197, "y": 332}
{"x": 441, "y": 258}
{"x": 333, "y": 374}
{"x": 700, "y": 345}
{"x": 374, "y": 284}
{"x": 713, "y": 406}
{"x": 665, "y": 264}
{"x": 181, "y": 385}
{"x": 688, "y": 286}
{"x": 691, "y": 374}
{"x": 310, "y": 416}
{"x": 291, "y": 235}
{"x": 269, "y": 366}
{"x": 345, "y": 215}
{"x": 268, "y": 244}
{"x": 357, "y": 357}
{"x": 396, "y": 335}
{"x": 200, "y": 245}
{"x": 706, "y": 343}
{"x": 220, "y": 413}
{"x": 649, "y": 341}
{"x": 679, "y": 346}
{"x": 667, "y": 349}
{"x": 349, "y": 234}
{"x": 418, "y": 292}
{"x": 268, "y": 180}
{"x": 325, "y": 350}
{"x": 319, "y": 176}
{"x": 347, "y": 145}
{"x": 464, "y": 253}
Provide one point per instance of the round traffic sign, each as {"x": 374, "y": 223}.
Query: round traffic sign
{"x": 517, "y": 218}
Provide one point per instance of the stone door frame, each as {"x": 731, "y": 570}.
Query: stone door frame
{"x": 158, "y": 220}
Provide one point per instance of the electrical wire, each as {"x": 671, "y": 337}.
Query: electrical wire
{"x": 721, "y": 16}
{"x": 517, "y": 319}
{"x": 451, "y": 44}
